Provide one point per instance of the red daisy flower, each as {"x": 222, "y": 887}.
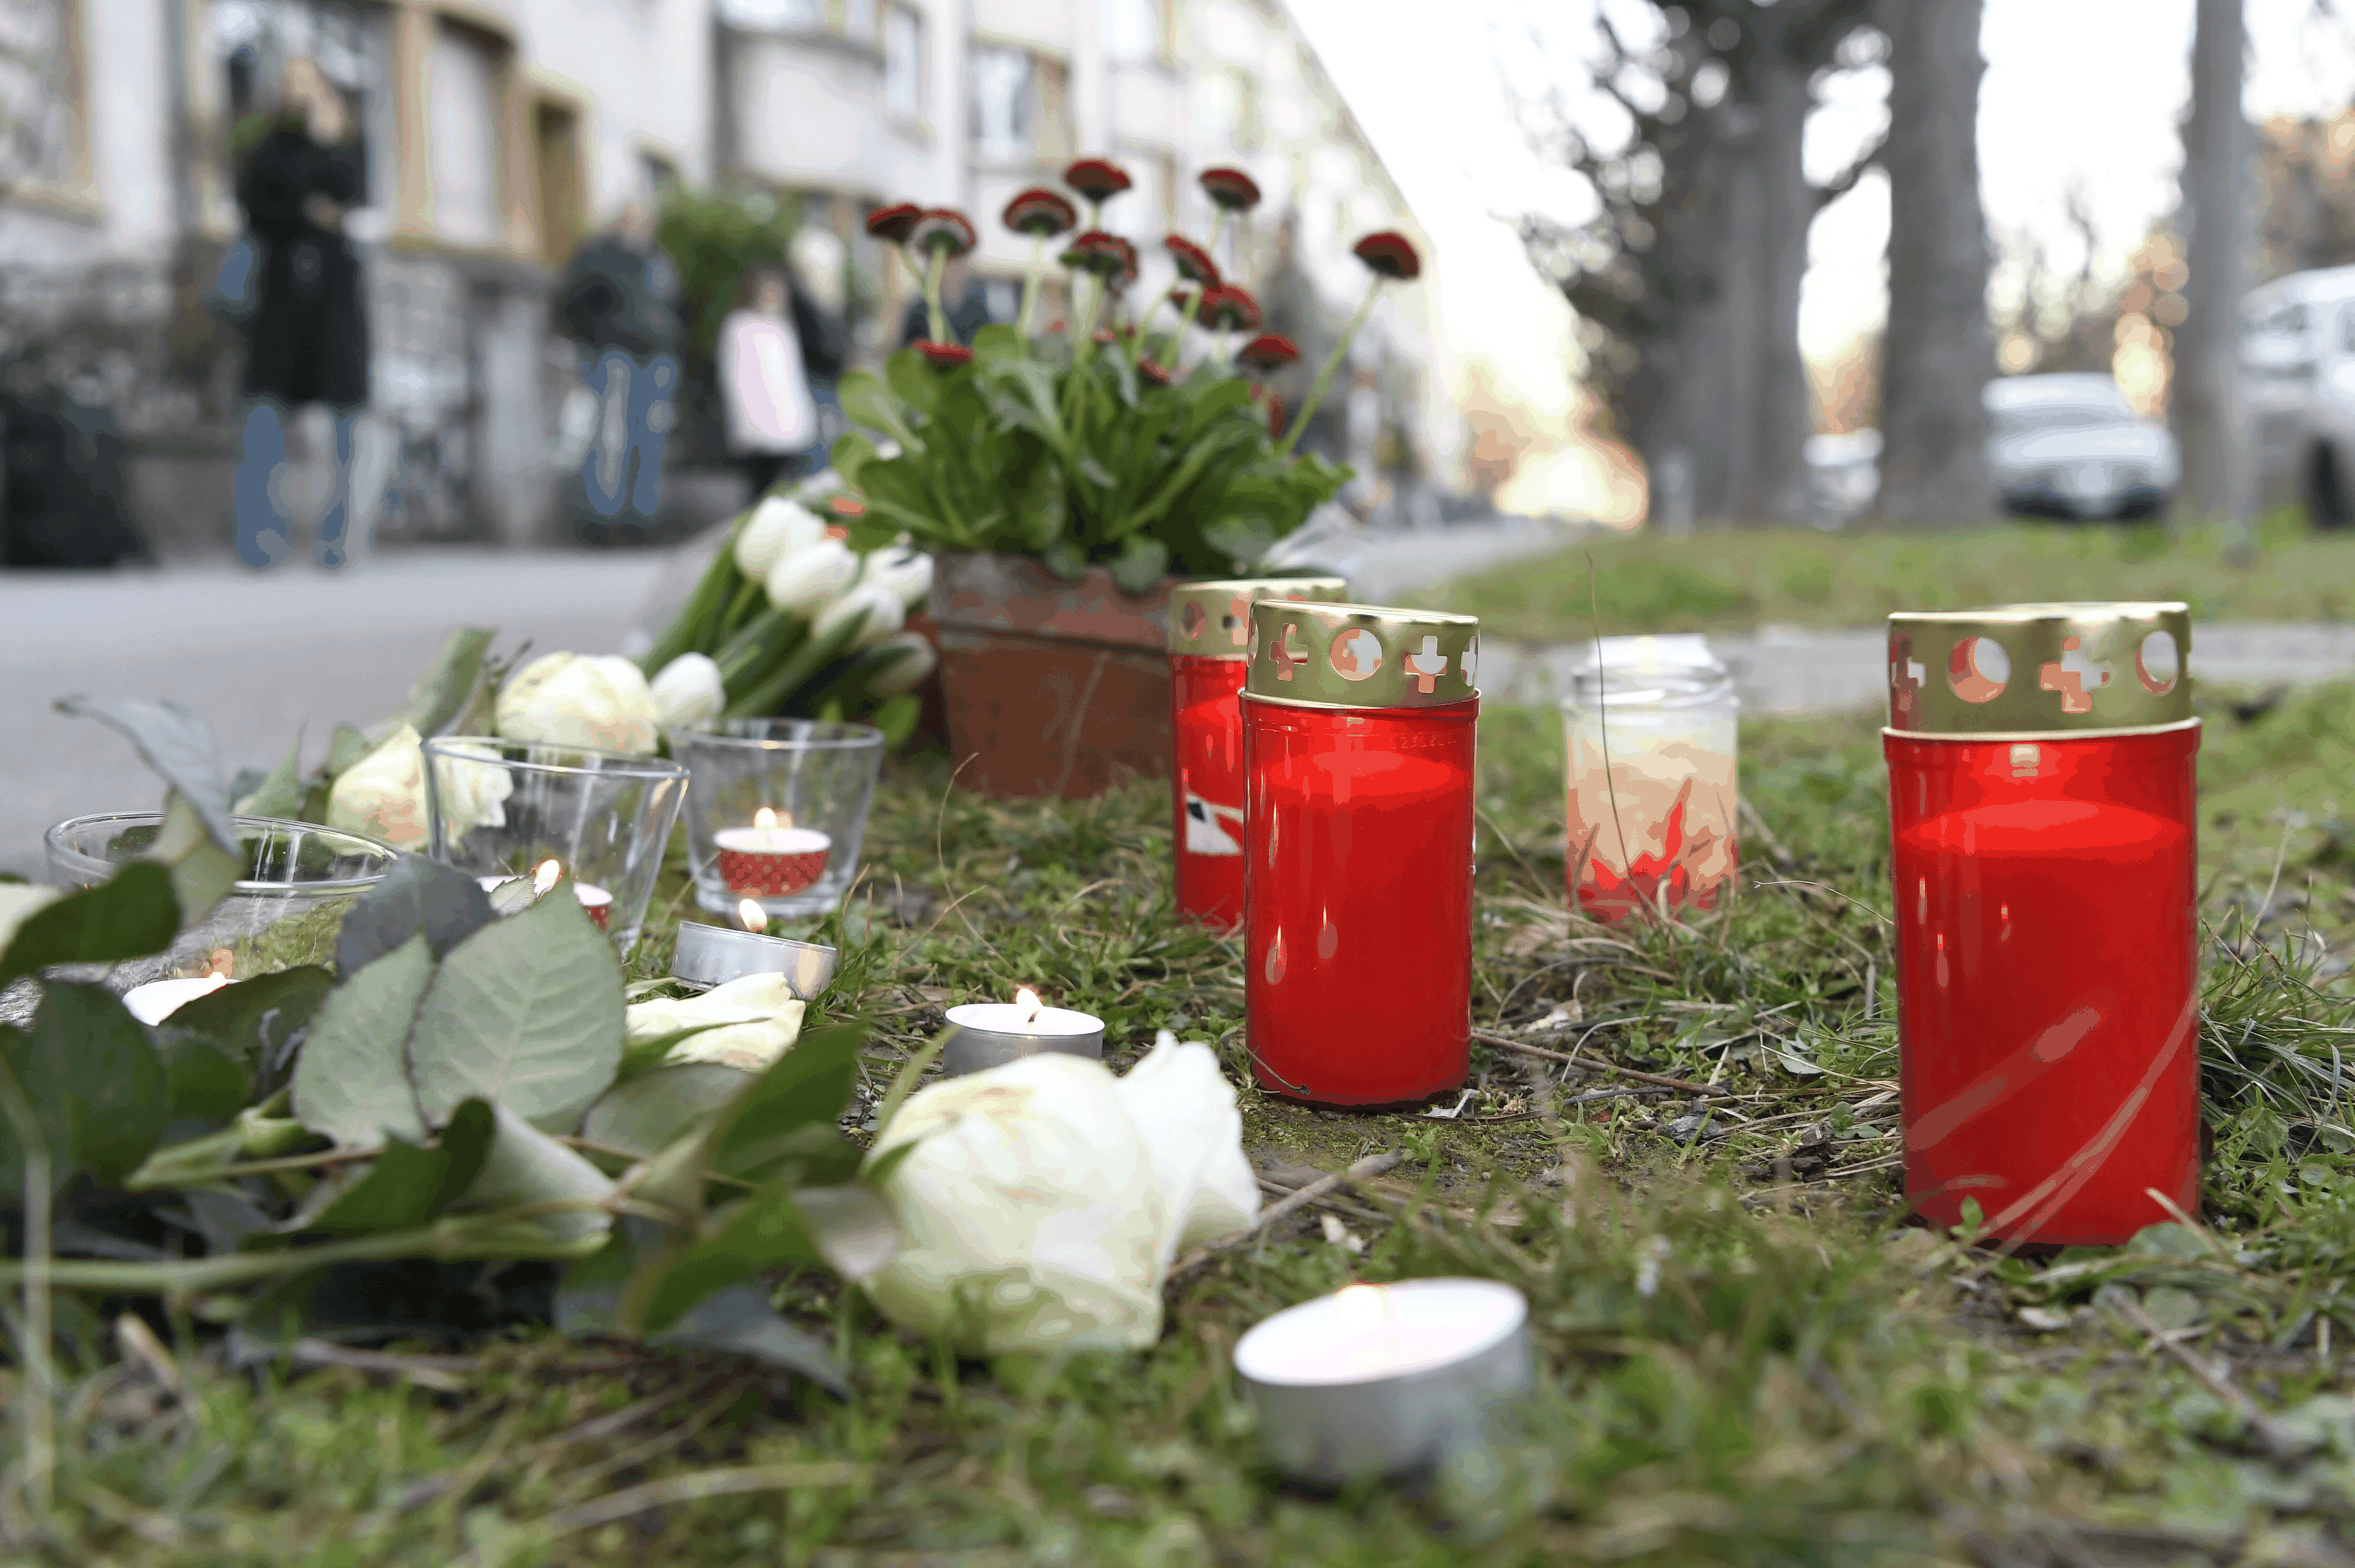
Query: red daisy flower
{"x": 1098, "y": 179}
{"x": 1229, "y": 308}
{"x": 940, "y": 229}
{"x": 1105, "y": 255}
{"x": 1269, "y": 351}
{"x": 891, "y": 223}
{"x": 1230, "y": 188}
{"x": 1179, "y": 299}
{"x": 847, "y": 506}
{"x": 1153, "y": 373}
{"x": 946, "y": 356}
{"x": 1040, "y": 211}
{"x": 1391, "y": 254}
{"x": 1193, "y": 262}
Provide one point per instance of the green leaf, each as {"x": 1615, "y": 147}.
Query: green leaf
{"x": 416, "y": 894}
{"x": 177, "y": 744}
{"x": 94, "y": 1081}
{"x": 351, "y": 1082}
{"x": 1141, "y": 563}
{"x": 525, "y": 1013}
{"x": 643, "y": 1113}
{"x": 747, "y": 1238}
{"x": 445, "y": 690}
{"x": 916, "y": 380}
{"x": 205, "y": 1082}
{"x": 788, "y": 1115}
{"x": 280, "y": 794}
{"x": 254, "y": 1021}
{"x": 897, "y": 718}
{"x": 202, "y": 870}
{"x": 129, "y": 915}
{"x": 346, "y": 746}
{"x": 865, "y": 400}
{"x": 524, "y": 1165}
{"x": 410, "y": 1184}
{"x": 645, "y": 1055}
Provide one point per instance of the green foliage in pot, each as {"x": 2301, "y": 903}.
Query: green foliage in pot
{"x": 1142, "y": 443}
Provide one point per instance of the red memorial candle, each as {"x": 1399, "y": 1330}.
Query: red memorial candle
{"x": 1209, "y": 637}
{"x": 1357, "y": 758}
{"x": 2043, "y": 852}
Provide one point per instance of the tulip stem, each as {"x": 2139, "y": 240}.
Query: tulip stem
{"x": 1037, "y": 275}
{"x": 935, "y": 266}
{"x": 1331, "y": 367}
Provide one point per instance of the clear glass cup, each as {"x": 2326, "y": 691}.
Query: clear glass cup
{"x": 503, "y": 809}
{"x": 1653, "y": 800}
{"x": 776, "y": 811}
{"x": 286, "y": 910}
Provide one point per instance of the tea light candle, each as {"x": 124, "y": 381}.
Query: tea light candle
{"x": 707, "y": 955}
{"x": 158, "y": 1000}
{"x": 595, "y": 900}
{"x": 991, "y": 1033}
{"x": 1385, "y": 1380}
{"x": 772, "y": 858}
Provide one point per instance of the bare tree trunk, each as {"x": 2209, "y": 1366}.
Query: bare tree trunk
{"x": 1938, "y": 354}
{"x": 2218, "y": 477}
{"x": 1774, "y": 488}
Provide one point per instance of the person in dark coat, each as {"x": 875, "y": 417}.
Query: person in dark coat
{"x": 619, "y": 300}
{"x": 306, "y": 338}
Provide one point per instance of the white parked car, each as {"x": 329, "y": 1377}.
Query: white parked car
{"x": 2070, "y": 446}
{"x": 2298, "y": 373}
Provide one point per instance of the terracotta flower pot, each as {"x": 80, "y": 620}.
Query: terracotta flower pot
{"x": 1054, "y": 688}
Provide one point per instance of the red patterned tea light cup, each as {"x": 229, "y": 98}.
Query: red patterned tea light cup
{"x": 770, "y": 858}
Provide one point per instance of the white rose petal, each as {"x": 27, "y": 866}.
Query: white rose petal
{"x": 778, "y": 528}
{"x": 383, "y": 794}
{"x": 907, "y": 573}
{"x": 19, "y": 900}
{"x": 758, "y": 1018}
{"x": 688, "y": 690}
{"x": 571, "y": 699}
{"x": 902, "y": 662}
{"x": 1184, "y": 1110}
{"x": 874, "y": 608}
{"x": 806, "y": 579}
{"x": 1028, "y": 1212}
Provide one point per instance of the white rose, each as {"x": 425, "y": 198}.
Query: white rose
{"x": 872, "y": 608}
{"x": 570, "y": 699}
{"x": 901, "y": 663}
{"x": 758, "y": 1021}
{"x": 1184, "y": 1110}
{"x": 907, "y": 573}
{"x": 383, "y": 794}
{"x": 1028, "y": 1213}
{"x": 806, "y": 579}
{"x": 688, "y": 690}
{"x": 778, "y": 528}
{"x": 472, "y": 796}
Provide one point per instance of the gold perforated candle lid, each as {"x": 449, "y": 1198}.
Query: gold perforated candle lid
{"x": 2040, "y": 669}
{"x": 1361, "y": 656}
{"x": 1212, "y": 620}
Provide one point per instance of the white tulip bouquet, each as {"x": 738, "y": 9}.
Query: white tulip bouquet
{"x": 791, "y": 620}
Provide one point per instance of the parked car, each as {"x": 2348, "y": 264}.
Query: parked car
{"x": 2298, "y": 373}
{"x": 2070, "y": 446}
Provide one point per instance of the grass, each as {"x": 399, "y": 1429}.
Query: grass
{"x": 1744, "y": 578}
{"x": 1746, "y": 1359}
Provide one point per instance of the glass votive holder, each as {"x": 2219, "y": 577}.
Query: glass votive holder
{"x": 505, "y": 809}
{"x": 776, "y": 811}
{"x": 284, "y": 911}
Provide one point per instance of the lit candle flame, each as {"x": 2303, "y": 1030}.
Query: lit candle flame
{"x": 1365, "y": 1307}
{"x": 1027, "y": 1000}
{"x": 765, "y": 820}
{"x": 547, "y": 876}
{"x": 755, "y": 919}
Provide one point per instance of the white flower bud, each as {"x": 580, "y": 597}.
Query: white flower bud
{"x": 806, "y": 579}
{"x": 907, "y": 573}
{"x": 688, "y": 690}
{"x": 901, "y": 663}
{"x": 383, "y": 794}
{"x": 874, "y": 608}
{"x": 778, "y": 528}
{"x": 570, "y": 699}
{"x": 757, "y": 1018}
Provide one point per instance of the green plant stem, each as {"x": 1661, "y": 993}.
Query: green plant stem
{"x": 37, "y": 1412}
{"x": 1031, "y": 284}
{"x": 935, "y": 267}
{"x": 695, "y": 625}
{"x": 1331, "y": 367}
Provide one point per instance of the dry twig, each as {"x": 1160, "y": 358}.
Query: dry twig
{"x": 1372, "y": 1165}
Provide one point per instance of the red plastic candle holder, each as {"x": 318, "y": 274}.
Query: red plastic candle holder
{"x": 2043, "y": 852}
{"x": 1358, "y": 762}
{"x": 1210, "y": 637}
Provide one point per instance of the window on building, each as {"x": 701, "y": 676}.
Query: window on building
{"x": 858, "y": 20}
{"x": 765, "y": 15}
{"x": 465, "y": 84}
{"x": 43, "y": 137}
{"x": 1135, "y": 29}
{"x": 559, "y": 179}
{"x": 1005, "y": 104}
{"x": 1145, "y": 214}
{"x": 903, "y": 63}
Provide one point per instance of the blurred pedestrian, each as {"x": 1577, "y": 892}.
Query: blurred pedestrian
{"x": 619, "y": 302}
{"x": 967, "y": 311}
{"x": 763, "y": 386}
{"x": 817, "y": 288}
{"x": 306, "y": 335}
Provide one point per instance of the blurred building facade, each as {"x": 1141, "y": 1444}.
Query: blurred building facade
{"x": 496, "y": 133}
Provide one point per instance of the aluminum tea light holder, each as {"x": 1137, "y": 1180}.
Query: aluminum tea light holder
{"x": 984, "y": 1035}
{"x": 709, "y": 955}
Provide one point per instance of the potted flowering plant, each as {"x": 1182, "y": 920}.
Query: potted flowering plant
{"x": 1066, "y": 474}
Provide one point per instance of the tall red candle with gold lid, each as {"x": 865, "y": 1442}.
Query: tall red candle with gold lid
{"x": 1209, "y": 643}
{"x": 2041, "y": 816}
{"x": 1357, "y": 753}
